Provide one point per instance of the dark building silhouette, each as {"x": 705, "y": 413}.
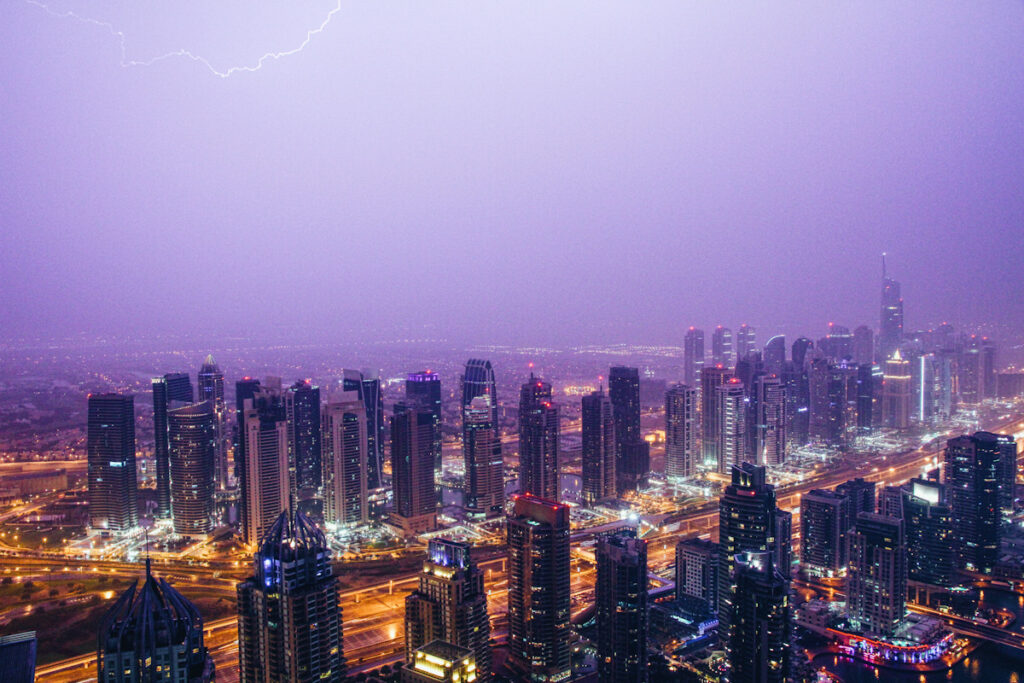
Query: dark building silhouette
{"x": 168, "y": 390}
{"x": 775, "y": 355}
{"x": 110, "y": 445}
{"x": 682, "y": 428}
{"x": 621, "y": 600}
{"x": 302, "y": 405}
{"x": 210, "y": 383}
{"x": 412, "y": 468}
{"x": 18, "y": 657}
{"x": 758, "y": 637}
{"x": 598, "y": 448}
{"x": 632, "y": 456}
{"x": 424, "y": 390}
{"x": 289, "y": 617}
{"x": 538, "y": 440}
{"x": 152, "y": 634}
{"x": 861, "y": 494}
{"x": 863, "y": 345}
{"x": 193, "y": 435}
{"x": 539, "y": 592}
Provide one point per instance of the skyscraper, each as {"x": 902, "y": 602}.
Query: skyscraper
{"x": 168, "y": 390}
{"x": 478, "y": 380}
{"x": 768, "y": 409}
{"x": 424, "y": 389}
{"x": 539, "y": 589}
{"x": 681, "y": 429}
{"x": 693, "y": 356}
{"x": 152, "y": 634}
{"x": 896, "y": 392}
{"x": 758, "y": 638}
{"x": 441, "y": 662}
{"x": 775, "y": 354}
{"x": 368, "y": 389}
{"x": 861, "y": 494}
{"x": 265, "y": 480}
{"x": 877, "y": 579}
{"x": 110, "y": 445}
{"x": 598, "y": 444}
{"x": 538, "y": 440}
{"x": 798, "y": 404}
{"x": 412, "y": 468}
{"x": 825, "y": 522}
{"x": 731, "y": 419}
{"x": 863, "y": 345}
{"x": 302, "y": 404}
{"x": 344, "y": 454}
{"x": 450, "y": 604}
{"x": 193, "y": 437}
{"x": 801, "y": 347}
{"x": 697, "y": 570}
{"x": 721, "y": 347}
{"x": 711, "y": 379}
{"x": 928, "y": 528}
{"x": 481, "y": 451}
{"x": 289, "y": 616}
{"x": 621, "y": 600}
{"x": 890, "y": 330}
{"x": 18, "y": 657}
{"x": 211, "y": 388}
{"x": 746, "y": 341}
{"x": 624, "y": 392}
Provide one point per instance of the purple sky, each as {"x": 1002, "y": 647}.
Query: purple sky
{"x": 562, "y": 172}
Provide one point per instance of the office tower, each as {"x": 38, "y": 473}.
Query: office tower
{"x": 167, "y": 390}
{"x": 18, "y": 657}
{"x": 801, "y": 347}
{"x": 861, "y": 495}
{"x": 441, "y": 662}
{"x": 1007, "y": 445}
{"x": 424, "y": 389}
{"x": 970, "y": 372}
{"x": 976, "y": 481}
{"x": 681, "y": 429}
{"x": 866, "y": 397}
{"x": 824, "y": 523}
{"x": 731, "y": 419}
{"x": 302, "y": 405}
{"x": 633, "y": 470}
{"x": 890, "y": 331}
{"x": 481, "y": 450}
{"x": 928, "y": 528}
{"x": 412, "y": 468}
{"x": 818, "y": 377}
{"x": 775, "y": 354}
{"x": 863, "y": 345}
{"x": 721, "y": 347}
{"x": 344, "y": 454}
{"x": 369, "y": 391}
{"x": 697, "y": 571}
{"x": 876, "y": 585}
{"x": 896, "y": 392}
{"x": 757, "y": 640}
{"x": 478, "y": 380}
{"x": 890, "y": 502}
{"x": 245, "y": 388}
{"x": 193, "y": 434}
{"x": 265, "y": 480}
{"x": 621, "y": 598}
{"x": 988, "y": 368}
{"x": 934, "y": 388}
{"x": 768, "y": 408}
{"x": 632, "y": 461}
{"x": 837, "y": 345}
{"x": 833, "y": 402}
{"x": 211, "y": 388}
{"x": 749, "y": 368}
{"x": 747, "y": 523}
{"x": 746, "y": 341}
{"x": 711, "y": 379}
{"x": 798, "y": 399}
{"x": 152, "y": 634}
{"x": 598, "y": 442}
{"x": 538, "y": 440}
{"x": 450, "y": 604}
{"x": 693, "y": 356}
{"x": 289, "y": 616}
{"x": 111, "y": 454}
{"x": 539, "y": 589}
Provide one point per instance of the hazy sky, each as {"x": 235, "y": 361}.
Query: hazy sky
{"x": 554, "y": 172}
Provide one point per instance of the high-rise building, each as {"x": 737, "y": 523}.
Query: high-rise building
{"x": 890, "y": 330}
{"x": 896, "y": 392}
{"x": 746, "y": 341}
{"x": 928, "y": 528}
{"x": 837, "y": 345}
{"x": 424, "y": 389}
{"x": 731, "y": 419}
{"x": 110, "y": 445}
{"x": 152, "y": 633}
{"x": 344, "y": 454}
{"x": 245, "y": 388}
{"x": 681, "y": 430}
{"x": 971, "y": 372}
{"x": 369, "y": 391}
{"x": 693, "y": 356}
{"x": 441, "y": 662}
{"x": 768, "y": 409}
{"x": 876, "y": 584}
{"x": 624, "y": 392}
{"x": 478, "y": 380}
{"x": 867, "y": 392}
{"x": 598, "y": 443}
{"x": 412, "y": 468}
{"x": 798, "y": 404}
{"x": 758, "y": 637}
{"x": 211, "y": 388}
{"x": 302, "y": 405}
{"x": 538, "y": 440}
{"x": 861, "y": 494}
{"x": 172, "y": 390}
{"x": 634, "y": 467}
{"x": 722, "y": 352}
{"x": 711, "y": 379}
{"x": 481, "y": 450}
{"x": 825, "y": 522}
{"x": 450, "y": 604}
{"x": 801, "y": 348}
{"x": 265, "y": 479}
{"x": 621, "y": 600}
{"x": 775, "y": 355}
{"x": 539, "y": 593}
{"x": 18, "y": 657}
{"x": 863, "y": 345}
{"x": 289, "y": 616}
{"x": 697, "y": 570}
{"x": 193, "y": 444}
{"x": 934, "y": 388}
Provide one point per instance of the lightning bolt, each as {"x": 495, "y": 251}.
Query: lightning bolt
{"x": 126, "y": 62}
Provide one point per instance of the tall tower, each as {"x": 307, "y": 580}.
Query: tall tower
{"x": 152, "y": 634}
{"x": 693, "y": 356}
{"x": 621, "y": 599}
{"x": 758, "y": 638}
{"x": 697, "y": 570}
{"x": 168, "y": 391}
{"x": 928, "y": 526}
{"x": 450, "y": 604}
{"x": 711, "y": 379}
{"x": 731, "y": 419}
{"x": 825, "y": 521}
{"x": 775, "y": 355}
{"x": 877, "y": 581}
{"x": 896, "y": 392}
{"x": 193, "y": 455}
{"x": 344, "y": 457}
{"x": 412, "y": 468}
{"x": 289, "y": 616}
{"x": 721, "y": 347}
{"x": 632, "y": 464}
{"x": 539, "y": 594}
{"x": 538, "y": 440}
{"x": 863, "y": 345}
{"x": 478, "y": 380}
{"x": 302, "y": 404}
{"x": 768, "y": 404}
{"x": 598, "y": 435}
{"x": 481, "y": 451}
{"x": 746, "y": 341}
{"x": 890, "y": 332}
{"x": 681, "y": 429}
{"x": 265, "y": 482}
{"x": 368, "y": 389}
{"x": 110, "y": 445}
{"x": 211, "y": 388}
{"x": 424, "y": 389}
